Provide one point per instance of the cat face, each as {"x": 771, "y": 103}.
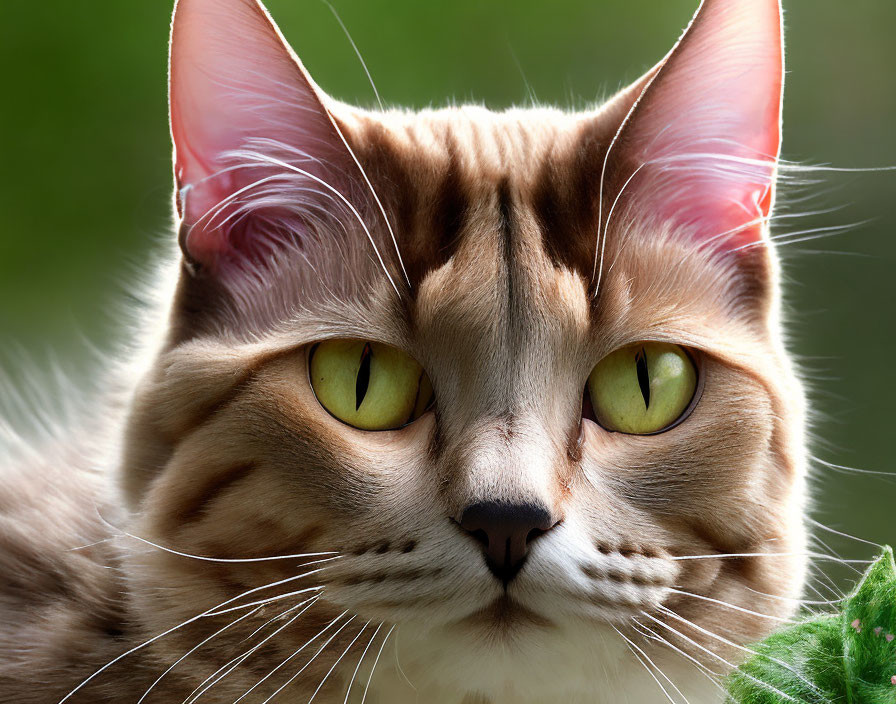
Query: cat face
{"x": 509, "y": 531}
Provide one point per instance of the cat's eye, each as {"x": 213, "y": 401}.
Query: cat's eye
{"x": 643, "y": 388}
{"x": 369, "y": 385}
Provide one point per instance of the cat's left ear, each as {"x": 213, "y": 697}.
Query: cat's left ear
{"x": 699, "y": 149}
{"x": 245, "y": 115}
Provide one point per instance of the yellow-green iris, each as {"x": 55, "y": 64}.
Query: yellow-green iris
{"x": 369, "y": 385}
{"x": 642, "y": 388}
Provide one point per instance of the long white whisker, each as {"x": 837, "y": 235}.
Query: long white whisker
{"x": 842, "y": 534}
{"x": 711, "y": 675}
{"x": 631, "y": 647}
{"x": 813, "y": 555}
{"x": 313, "y": 658}
{"x": 732, "y": 606}
{"x": 204, "y": 614}
{"x": 376, "y": 199}
{"x": 800, "y": 236}
{"x": 193, "y": 650}
{"x": 297, "y": 556}
{"x": 237, "y": 560}
{"x": 825, "y": 581}
{"x": 709, "y": 652}
{"x": 375, "y": 661}
{"x": 351, "y": 682}
{"x": 401, "y": 669}
{"x": 603, "y": 236}
{"x": 270, "y": 600}
{"x": 346, "y": 201}
{"x": 357, "y": 53}
{"x": 290, "y": 657}
{"x": 794, "y": 600}
{"x": 742, "y": 648}
{"x": 855, "y": 470}
{"x": 599, "y": 249}
{"x": 234, "y": 663}
{"x": 338, "y": 660}
{"x": 653, "y": 664}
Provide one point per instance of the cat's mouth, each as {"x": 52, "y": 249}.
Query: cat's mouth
{"x": 505, "y": 614}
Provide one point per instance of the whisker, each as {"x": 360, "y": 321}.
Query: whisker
{"x": 297, "y": 556}
{"x": 375, "y": 661}
{"x": 709, "y": 674}
{"x": 378, "y": 202}
{"x": 204, "y": 614}
{"x": 400, "y": 668}
{"x": 853, "y": 470}
{"x": 278, "y": 616}
{"x": 259, "y": 156}
{"x": 270, "y": 600}
{"x": 238, "y": 560}
{"x": 732, "y": 606}
{"x": 817, "y": 524}
{"x": 709, "y": 652}
{"x": 296, "y": 652}
{"x": 601, "y": 241}
{"x": 193, "y": 650}
{"x": 824, "y": 580}
{"x": 357, "y": 53}
{"x": 313, "y": 658}
{"x": 809, "y": 602}
{"x": 742, "y": 648}
{"x": 351, "y": 682}
{"x": 635, "y": 649}
{"x": 802, "y": 236}
{"x": 831, "y": 550}
{"x": 338, "y": 660}
{"x": 240, "y": 659}
{"x": 813, "y": 555}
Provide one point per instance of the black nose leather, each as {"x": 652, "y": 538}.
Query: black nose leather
{"x": 505, "y": 531}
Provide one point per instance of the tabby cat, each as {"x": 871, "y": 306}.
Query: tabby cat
{"x": 452, "y": 406}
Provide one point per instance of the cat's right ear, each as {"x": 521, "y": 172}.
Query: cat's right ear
{"x": 698, "y": 149}
{"x": 245, "y": 118}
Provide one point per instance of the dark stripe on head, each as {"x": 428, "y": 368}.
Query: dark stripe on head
{"x": 566, "y": 202}
{"x": 507, "y": 227}
{"x": 428, "y": 219}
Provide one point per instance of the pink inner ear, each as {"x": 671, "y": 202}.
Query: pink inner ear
{"x": 236, "y": 86}
{"x": 706, "y": 133}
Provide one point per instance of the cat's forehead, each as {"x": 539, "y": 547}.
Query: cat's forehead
{"x": 482, "y": 144}
{"x": 496, "y": 217}
{"x": 448, "y": 175}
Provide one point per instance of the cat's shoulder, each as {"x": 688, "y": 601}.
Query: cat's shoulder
{"x": 59, "y": 580}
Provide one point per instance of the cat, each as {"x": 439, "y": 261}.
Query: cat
{"x": 454, "y": 406}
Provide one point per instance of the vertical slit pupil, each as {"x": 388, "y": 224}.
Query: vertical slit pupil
{"x": 643, "y": 375}
{"x": 363, "y": 380}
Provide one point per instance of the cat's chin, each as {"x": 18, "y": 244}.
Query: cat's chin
{"x": 506, "y": 653}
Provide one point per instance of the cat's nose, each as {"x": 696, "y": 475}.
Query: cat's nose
{"x": 505, "y": 531}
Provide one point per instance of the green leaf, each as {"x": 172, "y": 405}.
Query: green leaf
{"x": 803, "y": 663}
{"x": 845, "y": 658}
{"x": 869, "y": 635}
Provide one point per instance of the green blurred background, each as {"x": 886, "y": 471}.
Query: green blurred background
{"x": 85, "y": 177}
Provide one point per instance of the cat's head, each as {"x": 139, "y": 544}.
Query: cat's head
{"x": 510, "y": 379}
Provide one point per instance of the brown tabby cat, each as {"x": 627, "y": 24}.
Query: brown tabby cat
{"x": 452, "y": 406}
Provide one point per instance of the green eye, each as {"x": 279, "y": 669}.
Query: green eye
{"x": 642, "y": 388}
{"x": 369, "y": 385}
